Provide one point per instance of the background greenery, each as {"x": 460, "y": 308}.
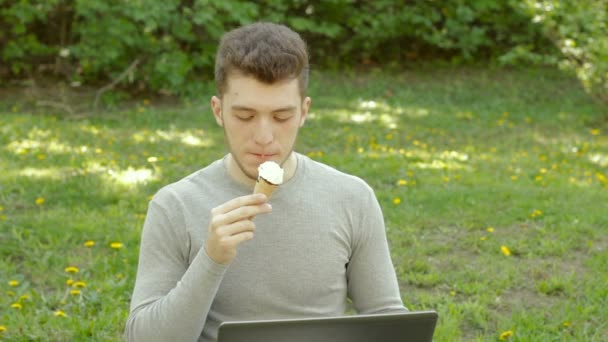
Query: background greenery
{"x": 169, "y": 45}
{"x": 493, "y": 182}
{"x": 492, "y": 174}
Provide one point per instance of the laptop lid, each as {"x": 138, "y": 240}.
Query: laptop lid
{"x": 416, "y": 326}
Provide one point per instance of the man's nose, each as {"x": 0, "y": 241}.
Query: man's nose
{"x": 263, "y": 134}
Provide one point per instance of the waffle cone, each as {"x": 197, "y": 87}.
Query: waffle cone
{"x": 264, "y": 187}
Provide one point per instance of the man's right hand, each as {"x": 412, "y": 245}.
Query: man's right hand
{"x": 231, "y": 224}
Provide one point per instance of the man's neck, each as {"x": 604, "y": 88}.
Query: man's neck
{"x": 289, "y": 166}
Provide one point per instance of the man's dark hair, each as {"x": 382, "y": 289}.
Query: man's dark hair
{"x": 269, "y": 52}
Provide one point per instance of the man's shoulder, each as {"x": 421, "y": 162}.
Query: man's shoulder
{"x": 332, "y": 177}
{"x": 191, "y": 184}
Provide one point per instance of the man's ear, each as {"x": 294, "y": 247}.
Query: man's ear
{"x": 305, "y": 108}
{"x": 216, "y": 107}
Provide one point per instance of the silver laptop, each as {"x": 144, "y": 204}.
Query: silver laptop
{"x": 416, "y": 326}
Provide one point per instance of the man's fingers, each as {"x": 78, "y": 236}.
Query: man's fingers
{"x": 239, "y": 214}
{"x": 237, "y": 239}
{"x": 236, "y": 228}
{"x": 253, "y": 199}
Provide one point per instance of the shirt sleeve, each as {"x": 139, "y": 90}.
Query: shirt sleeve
{"x": 171, "y": 298}
{"x": 372, "y": 282}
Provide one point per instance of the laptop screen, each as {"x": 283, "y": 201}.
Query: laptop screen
{"x": 416, "y": 326}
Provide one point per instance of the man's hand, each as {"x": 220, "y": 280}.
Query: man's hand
{"x": 231, "y": 224}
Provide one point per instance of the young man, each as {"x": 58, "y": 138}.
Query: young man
{"x": 211, "y": 251}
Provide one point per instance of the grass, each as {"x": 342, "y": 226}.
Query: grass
{"x": 494, "y": 186}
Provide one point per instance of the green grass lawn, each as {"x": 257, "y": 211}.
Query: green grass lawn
{"x": 494, "y": 186}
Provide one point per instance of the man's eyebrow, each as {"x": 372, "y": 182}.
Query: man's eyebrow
{"x": 278, "y": 110}
{"x": 285, "y": 109}
{"x": 243, "y": 108}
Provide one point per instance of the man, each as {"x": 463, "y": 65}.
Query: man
{"x": 211, "y": 251}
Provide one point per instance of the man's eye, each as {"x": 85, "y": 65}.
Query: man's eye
{"x": 282, "y": 118}
{"x": 244, "y": 117}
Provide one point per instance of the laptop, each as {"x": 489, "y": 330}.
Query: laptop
{"x": 418, "y": 326}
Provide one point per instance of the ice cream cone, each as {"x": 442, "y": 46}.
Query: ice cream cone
{"x": 264, "y": 187}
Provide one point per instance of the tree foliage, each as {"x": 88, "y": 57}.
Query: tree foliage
{"x": 173, "y": 42}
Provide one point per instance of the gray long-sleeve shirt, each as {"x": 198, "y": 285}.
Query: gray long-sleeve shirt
{"x": 324, "y": 241}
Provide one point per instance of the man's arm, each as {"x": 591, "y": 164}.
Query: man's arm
{"x": 171, "y": 299}
{"x": 372, "y": 282}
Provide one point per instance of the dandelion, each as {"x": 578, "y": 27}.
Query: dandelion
{"x": 396, "y": 200}
{"x": 17, "y": 306}
{"x": 146, "y": 102}
{"x": 2, "y": 328}
{"x": 505, "y": 335}
{"x": 89, "y": 243}
{"x": 483, "y": 238}
{"x": 24, "y": 297}
{"x": 505, "y": 250}
{"x": 13, "y": 283}
{"x": 595, "y": 131}
{"x": 1, "y": 208}
{"x": 490, "y": 229}
{"x": 75, "y": 292}
{"x": 116, "y": 245}
{"x": 60, "y": 313}
{"x": 536, "y": 213}
{"x": 566, "y": 324}
{"x": 402, "y": 182}
{"x": 40, "y": 201}
{"x": 69, "y": 282}
{"x": 80, "y": 284}
{"x": 71, "y": 269}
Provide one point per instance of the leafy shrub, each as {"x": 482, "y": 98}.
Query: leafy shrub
{"x": 579, "y": 29}
{"x": 166, "y": 45}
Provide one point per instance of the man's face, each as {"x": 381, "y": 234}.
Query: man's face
{"x": 260, "y": 121}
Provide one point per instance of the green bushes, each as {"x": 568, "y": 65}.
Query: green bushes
{"x": 165, "y": 45}
{"x": 580, "y": 30}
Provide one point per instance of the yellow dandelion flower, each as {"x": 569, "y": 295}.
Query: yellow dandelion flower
{"x": 10, "y": 293}
{"x": 13, "y": 283}
{"x": 116, "y": 245}
{"x": 59, "y": 313}
{"x": 41, "y": 156}
{"x": 402, "y": 182}
{"x": 360, "y": 150}
{"x": 40, "y": 201}
{"x": 505, "y": 335}
{"x": 566, "y": 324}
{"x": 490, "y": 229}
{"x": 2, "y": 217}
{"x": 80, "y": 284}
{"x": 69, "y": 282}
{"x": 24, "y": 297}
{"x": 75, "y": 292}
{"x": 2, "y": 328}
{"x": 71, "y": 269}
{"x": 505, "y": 250}
{"x": 536, "y": 213}
{"x": 514, "y": 177}
{"x": 89, "y": 243}
{"x": 595, "y": 131}
{"x": 1, "y": 208}
{"x": 17, "y": 306}
{"x": 396, "y": 200}
{"x": 146, "y": 102}
{"x": 389, "y": 136}
{"x": 483, "y": 238}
